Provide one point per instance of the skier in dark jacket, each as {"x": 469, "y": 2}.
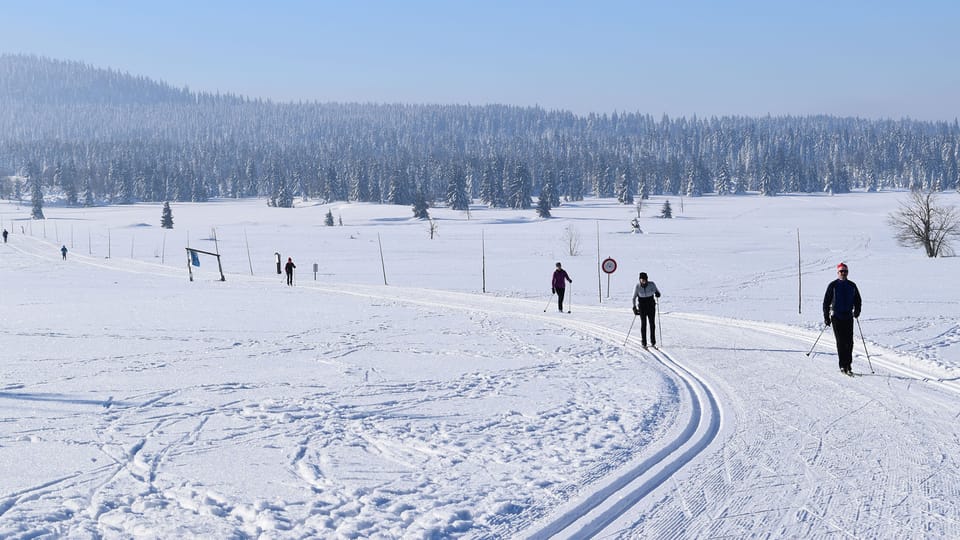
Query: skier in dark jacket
{"x": 289, "y": 269}
{"x": 843, "y": 300}
{"x": 63, "y": 251}
{"x": 559, "y": 284}
{"x": 645, "y": 305}
{"x": 5, "y": 233}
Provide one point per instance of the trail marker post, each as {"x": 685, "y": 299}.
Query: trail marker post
{"x": 609, "y": 266}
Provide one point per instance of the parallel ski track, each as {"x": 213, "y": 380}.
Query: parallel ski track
{"x": 615, "y": 496}
{"x": 618, "y": 495}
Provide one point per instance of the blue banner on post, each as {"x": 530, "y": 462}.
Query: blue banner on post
{"x": 194, "y": 260}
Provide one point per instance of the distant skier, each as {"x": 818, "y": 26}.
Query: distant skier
{"x": 63, "y": 251}
{"x": 843, "y": 299}
{"x": 5, "y": 233}
{"x": 559, "y": 284}
{"x": 289, "y": 269}
{"x": 645, "y": 305}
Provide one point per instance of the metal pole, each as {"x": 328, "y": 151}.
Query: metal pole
{"x": 817, "y": 340}
{"x": 382, "y": 265}
{"x": 631, "y": 329}
{"x": 599, "y": 281}
{"x": 249, "y": 259}
{"x": 483, "y": 260}
{"x": 869, "y": 363}
{"x": 550, "y": 301}
{"x": 659, "y": 322}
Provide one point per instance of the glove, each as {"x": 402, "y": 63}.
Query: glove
{"x": 856, "y": 314}
{"x": 636, "y": 310}
{"x": 657, "y": 294}
{"x": 826, "y": 321}
{"x": 553, "y": 291}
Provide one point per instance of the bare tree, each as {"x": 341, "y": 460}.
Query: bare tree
{"x": 921, "y": 222}
{"x": 572, "y": 237}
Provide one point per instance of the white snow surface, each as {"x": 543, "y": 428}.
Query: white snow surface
{"x": 135, "y": 403}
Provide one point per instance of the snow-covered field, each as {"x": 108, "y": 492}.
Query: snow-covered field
{"x": 456, "y": 401}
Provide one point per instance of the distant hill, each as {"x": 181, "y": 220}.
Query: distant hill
{"x": 35, "y": 79}
{"x": 106, "y": 136}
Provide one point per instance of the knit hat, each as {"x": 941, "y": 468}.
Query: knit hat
{"x": 643, "y": 275}
{"x": 841, "y": 266}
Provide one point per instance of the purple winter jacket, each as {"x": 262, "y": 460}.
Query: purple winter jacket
{"x": 559, "y": 279}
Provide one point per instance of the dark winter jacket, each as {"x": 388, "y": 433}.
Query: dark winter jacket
{"x": 643, "y": 295}
{"x": 289, "y": 267}
{"x": 843, "y": 298}
{"x": 560, "y": 279}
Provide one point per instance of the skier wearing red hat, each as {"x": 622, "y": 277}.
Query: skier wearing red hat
{"x": 841, "y": 305}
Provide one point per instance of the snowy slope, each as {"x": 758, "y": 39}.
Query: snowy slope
{"x": 137, "y": 403}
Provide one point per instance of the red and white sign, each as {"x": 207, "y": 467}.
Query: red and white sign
{"x": 609, "y": 265}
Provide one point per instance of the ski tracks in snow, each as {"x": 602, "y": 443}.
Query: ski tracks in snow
{"x": 603, "y": 500}
{"x": 742, "y": 453}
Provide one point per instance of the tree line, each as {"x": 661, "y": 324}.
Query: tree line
{"x": 97, "y": 136}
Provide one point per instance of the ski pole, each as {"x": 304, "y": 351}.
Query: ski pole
{"x": 548, "y": 302}
{"x": 869, "y": 363}
{"x": 570, "y": 299}
{"x": 659, "y": 323}
{"x": 631, "y": 329}
{"x": 817, "y": 340}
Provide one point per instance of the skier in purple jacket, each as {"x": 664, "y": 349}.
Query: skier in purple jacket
{"x": 559, "y": 284}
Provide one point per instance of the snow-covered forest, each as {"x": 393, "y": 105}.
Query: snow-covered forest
{"x": 100, "y": 136}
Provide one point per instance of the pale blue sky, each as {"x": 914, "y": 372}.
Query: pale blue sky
{"x": 874, "y": 59}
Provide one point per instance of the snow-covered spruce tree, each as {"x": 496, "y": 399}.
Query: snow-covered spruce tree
{"x": 36, "y": 196}
{"x": 644, "y": 191}
{"x": 69, "y": 185}
{"x": 555, "y": 184}
{"x": 624, "y": 188}
{"x": 87, "y": 194}
{"x": 166, "y": 217}
{"x": 420, "y": 205}
{"x": 666, "y": 212}
{"x": 723, "y": 180}
{"x": 518, "y": 188}
{"x": 328, "y": 220}
{"x": 543, "y": 206}
{"x": 768, "y": 186}
{"x": 457, "y": 196}
{"x": 397, "y": 188}
{"x": 283, "y": 195}
{"x": 199, "y": 191}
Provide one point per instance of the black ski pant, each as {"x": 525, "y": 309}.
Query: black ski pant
{"x": 648, "y": 313}
{"x": 289, "y": 278}
{"x": 560, "y": 292}
{"x": 843, "y": 333}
